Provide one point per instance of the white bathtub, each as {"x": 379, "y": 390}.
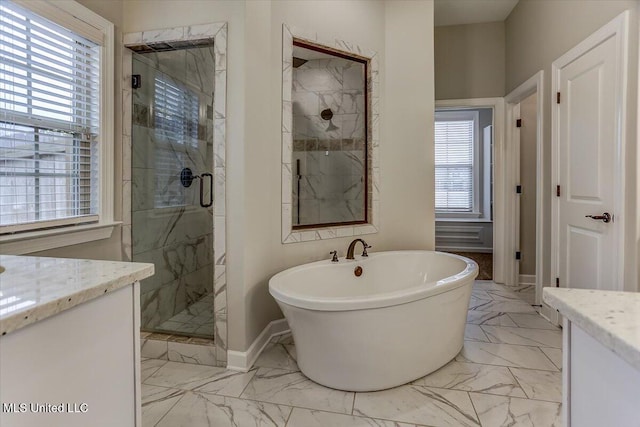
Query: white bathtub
{"x": 403, "y": 318}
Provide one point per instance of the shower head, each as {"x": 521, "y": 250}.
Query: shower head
{"x": 326, "y": 114}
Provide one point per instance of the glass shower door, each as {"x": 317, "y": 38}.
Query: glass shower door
{"x": 172, "y": 194}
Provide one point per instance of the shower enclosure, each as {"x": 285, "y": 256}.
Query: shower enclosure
{"x": 172, "y": 186}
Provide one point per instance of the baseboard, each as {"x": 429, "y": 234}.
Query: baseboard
{"x": 527, "y": 279}
{"x": 550, "y": 313}
{"x": 243, "y": 360}
{"x": 471, "y": 249}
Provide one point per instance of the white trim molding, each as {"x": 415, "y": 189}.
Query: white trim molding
{"x": 527, "y": 279}
{"x": 373, "y": 139}
{"x": 535, "y": 84}
{"x": 42, "y": 240}
{"x": 243, "y": 360}
{"x": 499, "y": 175}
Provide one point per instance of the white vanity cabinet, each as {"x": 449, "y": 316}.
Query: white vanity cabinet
{"x": 69, "y": 349}
{"x": 601, "y": 356}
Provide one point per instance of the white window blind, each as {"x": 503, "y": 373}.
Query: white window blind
{"x": 454, "y": 142}
{"x": 175, "y": 115}
{"x": 49, "y": 123}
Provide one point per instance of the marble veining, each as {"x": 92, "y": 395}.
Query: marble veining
{"x": 474, "y": 377}
{"x": 518, "y": 356}
{"x": 310, "y": 418}
{"x": 540, "y": 385}
{"x": 511, "y": 411}
{"x": 292, "y": 388}
{"x": 205, "y": 409}
{"x": 34, "y": 288}
{"x": 415, "y": 404}
{"x": 612, "y": 318}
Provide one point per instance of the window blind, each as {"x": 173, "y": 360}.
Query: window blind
{"x": 49, "y": 123}
{"x": 454, "y": 165}
{"x": 175, "y": 113}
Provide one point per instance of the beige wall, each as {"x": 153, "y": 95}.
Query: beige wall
{"x": 470, "y": 60}
{"x": 254, "y": 251}
{"x": 537, "y": 33}
{"x": 528, "y": 181}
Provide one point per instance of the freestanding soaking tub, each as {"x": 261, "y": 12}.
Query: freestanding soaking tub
{"x": 400, "y": 319}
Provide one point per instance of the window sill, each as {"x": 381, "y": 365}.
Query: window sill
{"x": 42, "y": 240}
{"x": 469, "y": 219}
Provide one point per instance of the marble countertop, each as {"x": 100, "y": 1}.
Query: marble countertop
{"x": 612, "y": 318}
{"x": 34, "y": 288}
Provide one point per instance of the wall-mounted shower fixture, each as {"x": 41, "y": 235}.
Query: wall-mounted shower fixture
{"x": 327, "y": 114}
{"x": 136, "y": 81}
{"x": 186, "y": 179}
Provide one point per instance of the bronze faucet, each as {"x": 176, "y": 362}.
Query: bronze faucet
{"x": 352, "y": 247}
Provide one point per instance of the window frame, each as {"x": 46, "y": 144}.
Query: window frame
{"x": 77, "y": 18}
{"x": 478, "y": 211}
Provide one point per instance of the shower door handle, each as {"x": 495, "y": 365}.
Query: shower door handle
{"x": 202, "y": 190}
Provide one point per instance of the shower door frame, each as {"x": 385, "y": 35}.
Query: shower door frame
{"x": 216, "y": 32}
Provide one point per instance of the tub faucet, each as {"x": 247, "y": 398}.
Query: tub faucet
{"x": 335, "y": 256}
{"x": 352, "y": 247}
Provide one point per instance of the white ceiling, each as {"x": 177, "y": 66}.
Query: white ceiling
{"x": 458, "y": 12}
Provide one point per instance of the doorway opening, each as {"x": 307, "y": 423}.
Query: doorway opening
{"x": 468, "y": 138}
{"x": 524, "y": 111}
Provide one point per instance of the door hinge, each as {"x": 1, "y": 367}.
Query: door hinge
{"x": 518, "y": 255}
{"x": 557, "y": 191}
{"x": 519, "y": 123}
{"x": 136, "y": 81}
{"x": 519, "y": 189}
{"x": 557, "y": 97}
{"x": 557, "y": 282}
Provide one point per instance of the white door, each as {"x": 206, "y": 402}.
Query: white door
{"x": 588, "y": 165}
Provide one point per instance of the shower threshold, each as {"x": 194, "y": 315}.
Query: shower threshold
{"x": 197, "y": 321}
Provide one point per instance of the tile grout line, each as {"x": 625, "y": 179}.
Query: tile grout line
{"x": 528, "y": 327}
{"x": 474, "y": 409}
{"x": 353, "y": 403}
{"x": 518, "y": 345}
{"x": 539, "y": 345}
{"x": 286, "y": 423}
{"x": 552, "y": 362}
{"x": 249, "y": 382}
{"x": 172, "y": 406}
{"x": 156, "y": 370}
{"x": 519, "y": 383}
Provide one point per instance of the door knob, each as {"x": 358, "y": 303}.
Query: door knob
{"x": 605, "y": 217}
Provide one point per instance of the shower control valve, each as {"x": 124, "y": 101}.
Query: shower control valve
{"x": 335, "y": 256}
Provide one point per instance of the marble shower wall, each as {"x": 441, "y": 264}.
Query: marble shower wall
{"x": 329, "y": 156}
{"x": 172, "y": 118}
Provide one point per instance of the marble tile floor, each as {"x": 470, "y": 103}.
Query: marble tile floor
{"x": 197, "y": 320}
{"x": 508, "y": 374}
